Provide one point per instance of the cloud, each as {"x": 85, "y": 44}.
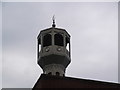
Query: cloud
{"x": 19, "y": 66}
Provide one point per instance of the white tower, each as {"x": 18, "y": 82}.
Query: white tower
{"x": 53, "y": 50}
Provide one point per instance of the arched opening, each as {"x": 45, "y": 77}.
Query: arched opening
{"x": 38, "y": 47}
{"x": 39, "y": 44}
{"x": 57, "y": 74}
{"x": 59, "y": 40}
{"x": 67, "y": 43}
{"x": 47, "y": 40}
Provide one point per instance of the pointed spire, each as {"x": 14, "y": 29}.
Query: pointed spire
{"x": 53, "y": 18}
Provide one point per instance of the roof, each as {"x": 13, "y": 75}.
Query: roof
{"x": 53, "y": 28}
{"x": 50, "y": 81}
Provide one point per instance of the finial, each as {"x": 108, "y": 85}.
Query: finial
{"x": 53, "y": 18}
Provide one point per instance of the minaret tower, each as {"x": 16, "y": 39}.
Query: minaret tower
{"x": 53, "y": 50}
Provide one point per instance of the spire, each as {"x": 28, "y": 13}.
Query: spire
{"x": 53, "y": 18}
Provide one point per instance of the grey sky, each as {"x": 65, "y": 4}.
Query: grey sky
{"x": 118, "y": 43}
{"x": 94, "y": 38}
{"x": 0, "y": 44}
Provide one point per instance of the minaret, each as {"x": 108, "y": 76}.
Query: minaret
{"x": 53, "y": 50}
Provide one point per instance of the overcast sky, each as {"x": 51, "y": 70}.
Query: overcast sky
{"x": 94, "y": 40}
{"x": 0, "y": 45}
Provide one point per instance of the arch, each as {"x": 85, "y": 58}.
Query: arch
{"x": 59, "y": 39}
{"x": 39, "y": 45}
{"x": 67, "y": 43}
{"x": 67, "y": 40}
{"x": 57, "y": 74}
{"x": 47, "y": 40}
